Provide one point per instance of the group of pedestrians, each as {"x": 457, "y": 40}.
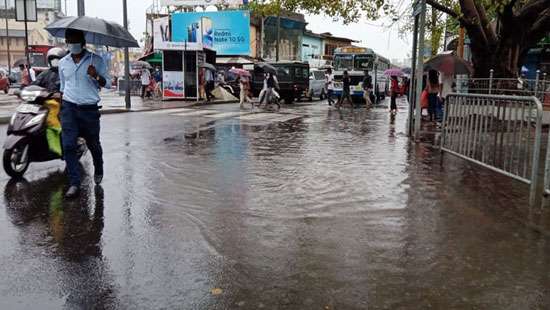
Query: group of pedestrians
{"x": 367, "y": 86}
{"x": 149, "y": 81}
{"x": 346, "y": 89}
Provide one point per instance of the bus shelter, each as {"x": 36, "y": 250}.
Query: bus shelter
{"x": 181, "y": 70}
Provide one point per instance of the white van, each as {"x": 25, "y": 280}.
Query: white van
{"x": 317, "y": 82}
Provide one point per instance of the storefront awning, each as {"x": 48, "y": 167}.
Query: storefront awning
{"x": 152, "y": 58}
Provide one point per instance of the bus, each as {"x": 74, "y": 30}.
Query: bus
{"x": 357, "y": 60}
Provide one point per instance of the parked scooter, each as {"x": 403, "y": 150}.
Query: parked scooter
{"x": 27, "y": 139}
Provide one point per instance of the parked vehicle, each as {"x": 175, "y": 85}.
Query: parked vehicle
{"x": 293, "y": 78}
{"x": 317, "y": 85}
{"x": 27, "y": 138}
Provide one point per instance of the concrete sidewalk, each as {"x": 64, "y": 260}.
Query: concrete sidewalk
{"x": 111, "y": 103}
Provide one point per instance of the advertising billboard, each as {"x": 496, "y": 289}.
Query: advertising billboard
{"x": 172, "y": 84}
{"x": 161, "y": 32}
{"x": 227, "y": 32}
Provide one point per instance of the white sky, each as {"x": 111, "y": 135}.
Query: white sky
{"x": 383, "y": 40}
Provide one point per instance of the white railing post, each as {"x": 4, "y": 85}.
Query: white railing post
{"x": 537, "y": 83}
{"x": 491, "y": 72}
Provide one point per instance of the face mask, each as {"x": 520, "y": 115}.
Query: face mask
{"x": 54, "y": 63}
{"x": 75, "y": 48}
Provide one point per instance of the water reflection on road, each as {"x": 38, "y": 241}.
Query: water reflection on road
{"x": 328, "y": 209}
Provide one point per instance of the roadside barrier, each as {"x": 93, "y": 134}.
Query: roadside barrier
{"x": 501, "y": 133}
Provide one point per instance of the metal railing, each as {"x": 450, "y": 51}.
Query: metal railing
{"x": 539, "y": 87}
{"x": 501, "y": 133}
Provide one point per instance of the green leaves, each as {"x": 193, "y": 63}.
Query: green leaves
{"x": 347, "y": 11}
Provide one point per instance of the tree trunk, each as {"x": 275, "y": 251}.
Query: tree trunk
{"x": 505, "y": 55}
{"x": 434, "y": 37}
{"x": 504, "y": 61}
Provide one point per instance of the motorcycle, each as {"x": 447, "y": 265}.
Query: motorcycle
{"x": 27, "y": 139}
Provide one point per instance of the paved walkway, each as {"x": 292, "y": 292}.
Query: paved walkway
{"x": 308, "y": 208}
{"x": 111, "y": 102}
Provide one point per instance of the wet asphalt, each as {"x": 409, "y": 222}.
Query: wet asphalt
{"x": 309, "y": 208}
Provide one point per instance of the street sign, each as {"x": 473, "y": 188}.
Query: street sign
{"x": 20, "y": 10}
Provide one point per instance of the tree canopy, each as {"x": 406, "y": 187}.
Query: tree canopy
{"x": 347, "y": 11}
{"x": 501, "y": 31}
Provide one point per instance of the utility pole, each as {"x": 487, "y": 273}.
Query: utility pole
{"x": 126, "y": 59}
{"x": 419, "y": 68}
{"x": 80, "y": 8}
{"x": 262, "y": 35}
{"x": 412, "y": 84}
{"x": 27, "y": 39}
{"x": 277, "y": 52}
{"x": 7, "y": 35}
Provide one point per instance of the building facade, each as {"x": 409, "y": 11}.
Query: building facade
{"x": 312, "y": 44}
{"x": 48, "y": 11}
{"x": 330, "y": 43}
{"x": 292, "y": 26}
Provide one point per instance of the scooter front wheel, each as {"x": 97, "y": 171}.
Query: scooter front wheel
{"x": 16, "y": 160}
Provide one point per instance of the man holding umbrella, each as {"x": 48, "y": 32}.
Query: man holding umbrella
{"x": 82, "y": 74}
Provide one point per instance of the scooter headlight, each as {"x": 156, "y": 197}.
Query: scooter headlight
{"x": 12, "y": 119}
{"x": 29, "y": 95}
{"x": 35, "y": 120}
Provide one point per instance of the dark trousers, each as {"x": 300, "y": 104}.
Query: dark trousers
{"x": 80, "y": 121}
{"x": 393, "y": 103}
{"x": 330, "y": 94}
{"x": 346, "y": 95}
{"x": 432, "y": 105}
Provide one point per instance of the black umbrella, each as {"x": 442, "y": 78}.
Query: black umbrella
{"x": 267, "y": 68}
{"x": 98, "y": 31}
{"x": 207, "y": 66}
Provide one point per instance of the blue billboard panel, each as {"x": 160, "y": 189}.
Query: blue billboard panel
{"x": 226, "y": 32}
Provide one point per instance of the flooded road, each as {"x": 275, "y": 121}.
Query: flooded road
{"x": 304, "y": 209}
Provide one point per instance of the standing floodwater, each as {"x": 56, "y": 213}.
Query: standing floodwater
{"x": 308, "y": 208}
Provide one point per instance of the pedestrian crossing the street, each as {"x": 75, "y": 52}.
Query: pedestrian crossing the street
{"x": 246, "y": 117}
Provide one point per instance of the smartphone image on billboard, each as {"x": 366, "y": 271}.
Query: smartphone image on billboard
{"x": 207, "y": 32}
{"x": 193, "y": 32}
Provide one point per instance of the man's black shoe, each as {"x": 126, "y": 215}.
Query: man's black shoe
{"x": 72, "y": 192}
{"x": 98, "y": 178}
